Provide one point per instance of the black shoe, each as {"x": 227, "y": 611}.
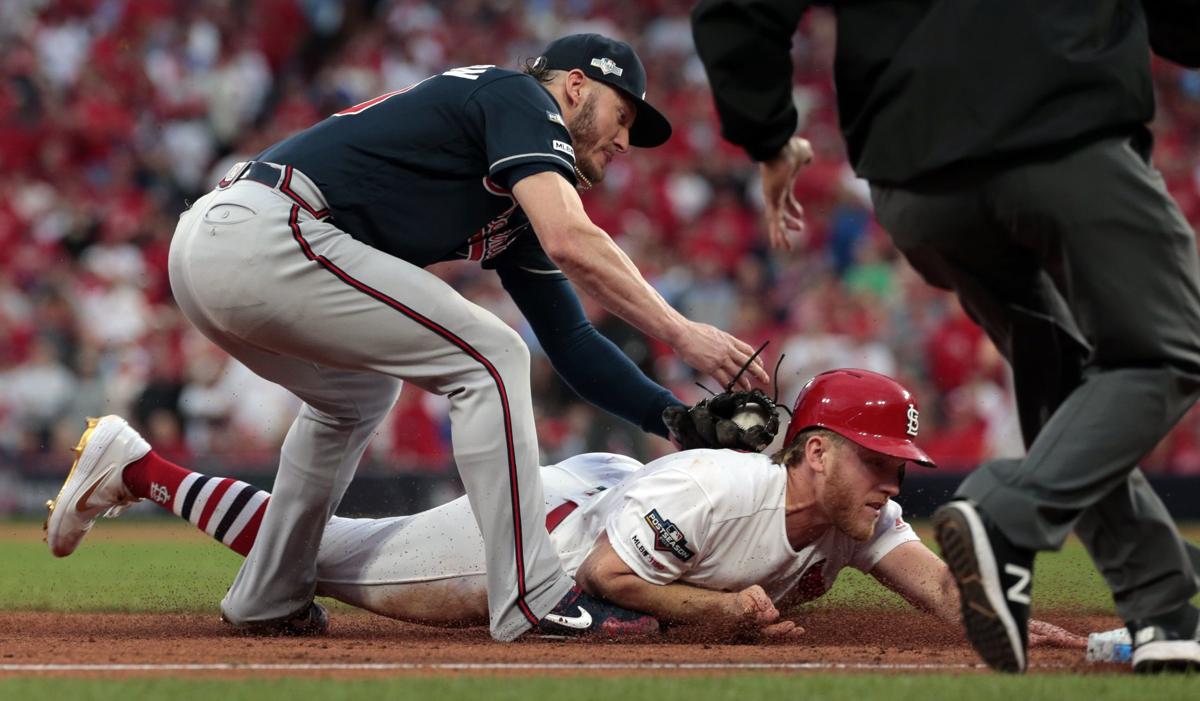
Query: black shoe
{"x": 580, "y": 614}
{"x": 994, "y": 581}
{"x": 309, "y": 621}
{"x": 1166, "y": 644}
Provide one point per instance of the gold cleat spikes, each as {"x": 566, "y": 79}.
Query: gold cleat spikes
{"x": 87, "y": 434}
{"x": 78, "y": 450}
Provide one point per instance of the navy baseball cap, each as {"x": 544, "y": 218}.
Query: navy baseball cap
{"x": 617, "y": 64}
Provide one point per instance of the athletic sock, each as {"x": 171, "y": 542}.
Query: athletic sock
{"x": 229, "y": 510}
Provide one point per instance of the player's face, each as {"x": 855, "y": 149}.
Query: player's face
{"x": 858, "y": 486}
{"x": 600, "y": 130}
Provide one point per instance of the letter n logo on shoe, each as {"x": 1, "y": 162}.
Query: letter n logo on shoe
{"x": 1018, "y": 592}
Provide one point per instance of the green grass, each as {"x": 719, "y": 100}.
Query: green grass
{"x": 167, "y": 566}
{"x": 736, "y": 687}
{"x": 1062, "y": 580}
{"x": 117, "y": 569}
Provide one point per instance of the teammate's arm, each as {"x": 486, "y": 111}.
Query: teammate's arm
{"x": 590, "y": 258}
{"x": 606, "y": 575}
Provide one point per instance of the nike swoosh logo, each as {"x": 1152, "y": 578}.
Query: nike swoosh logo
{"x": 581, "y": 622}
{"x": 81, "y": 502}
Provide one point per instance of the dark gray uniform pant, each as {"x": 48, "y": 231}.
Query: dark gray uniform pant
{"x": 1084, "y": 274}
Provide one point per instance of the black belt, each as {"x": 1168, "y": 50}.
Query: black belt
{"x": 282, "y": 178}
{"x": 266, "y": 173}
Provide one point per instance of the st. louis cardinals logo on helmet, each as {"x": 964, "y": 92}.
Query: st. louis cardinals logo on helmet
{"x": 870, "y": 409}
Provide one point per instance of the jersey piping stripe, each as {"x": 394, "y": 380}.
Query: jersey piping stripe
{"x": 535, "y": 271}
{"x": 529, "y": 155}
{"x": 234, "y": 510}
{"x": 514, "y": 493}
{"x": 190, "y": 499}
{"x": 286, "y": 188}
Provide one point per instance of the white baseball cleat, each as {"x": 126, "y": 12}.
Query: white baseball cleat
{"x": 94, "y": 485}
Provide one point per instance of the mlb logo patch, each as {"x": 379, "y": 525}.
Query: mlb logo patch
{"x": 564, "y": 147}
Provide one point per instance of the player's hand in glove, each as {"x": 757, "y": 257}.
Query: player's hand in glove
{"x": 741, "y": 420}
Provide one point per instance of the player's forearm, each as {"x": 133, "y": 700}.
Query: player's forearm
{"x": 599, "y": 267}
{"x": 673, "y": 603}
{"x": 745, "y": 46}
{"x": 921, "y": 578}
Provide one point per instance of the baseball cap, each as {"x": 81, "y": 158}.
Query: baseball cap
{"x": 865, "y": 407}
{"x": 617, "y": 64}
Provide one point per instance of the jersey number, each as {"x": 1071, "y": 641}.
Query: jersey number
{"x": 467, "y": 72}
{"x": 363, "y": 106}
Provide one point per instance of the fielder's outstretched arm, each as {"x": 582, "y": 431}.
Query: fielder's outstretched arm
{"x": 590, "y": 259}
{"x": 588, "y": 362}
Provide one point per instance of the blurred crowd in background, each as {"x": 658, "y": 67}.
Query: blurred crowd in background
{"x": 116, "y": 113}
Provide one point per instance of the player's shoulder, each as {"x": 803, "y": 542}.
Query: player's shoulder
{"x": 734, "y": 480}
{"x": 495, "y": 82}
{"x": 599, "y": 468}
{"x": 891, "y": 519}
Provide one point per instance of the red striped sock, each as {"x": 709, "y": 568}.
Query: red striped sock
{"x": 228, "y": 510}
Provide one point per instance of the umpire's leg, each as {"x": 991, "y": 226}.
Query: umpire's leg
{"x": 1125, "y": 261}
{"x": 983, "y": 240}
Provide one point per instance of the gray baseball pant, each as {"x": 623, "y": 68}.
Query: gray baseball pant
{"x": 262, "y": 273}
{"x": 1083, "y": 272}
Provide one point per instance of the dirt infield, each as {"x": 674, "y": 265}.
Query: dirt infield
{"x": 361, "y": 644}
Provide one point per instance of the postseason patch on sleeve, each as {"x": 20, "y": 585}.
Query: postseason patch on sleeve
{"x": 667, "y": 537}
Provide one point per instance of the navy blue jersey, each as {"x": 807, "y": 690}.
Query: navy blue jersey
{"x": 425, "y": 173}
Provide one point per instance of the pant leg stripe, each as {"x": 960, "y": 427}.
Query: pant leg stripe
{"x": 514, "y": 491}
{"x": 234, "y": 510}
{"x": 190, "y": 500}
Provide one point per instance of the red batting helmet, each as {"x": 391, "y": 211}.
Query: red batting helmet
{"x": 865, "y": 407}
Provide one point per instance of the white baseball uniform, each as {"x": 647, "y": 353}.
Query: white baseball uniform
{"x": 709, "y": 518}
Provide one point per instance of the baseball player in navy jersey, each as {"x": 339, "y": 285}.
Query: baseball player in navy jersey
{"x": 719, "y": 539}
{"x": 306, "y": 264}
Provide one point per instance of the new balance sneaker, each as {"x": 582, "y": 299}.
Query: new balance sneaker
{"x": 580, "y": 614}
{"x": 994, "y": 579}
{"x": 93, "y": 486}
{"x": 308, "y": 621}
{"x": 1167, "y": 644}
